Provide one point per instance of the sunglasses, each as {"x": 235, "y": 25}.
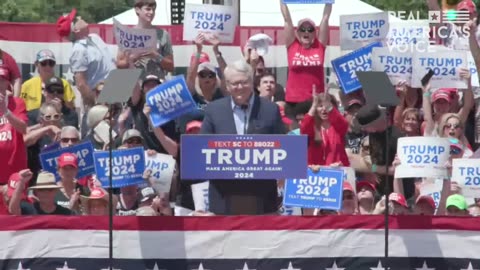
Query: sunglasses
{"x": 50, "y": 117}
{"x": 67, "y": 140}
{"x": 134, "y": 141}
{"x": 204, "y": 75}
{"x": 49, "y": 63}
{"x": 55, "y": 90}
{"x": 454, "y": 126}
{"x": 306, "y": 29}
{"x": 348, "y": 196}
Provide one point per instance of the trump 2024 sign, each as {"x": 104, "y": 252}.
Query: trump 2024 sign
{"x": 243, "y": 157}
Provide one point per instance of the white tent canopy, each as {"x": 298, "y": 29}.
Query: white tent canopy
{"x": 262, "y": 12}
{"x": 267, "y": 12}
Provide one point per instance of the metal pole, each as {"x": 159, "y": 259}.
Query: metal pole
{"x": 110, "y": 192}
{"x": 387, "y": 185}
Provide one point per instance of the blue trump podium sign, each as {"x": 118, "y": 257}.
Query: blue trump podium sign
{"x": 84, "y": 153}
{"x": 323, "y": 190}
{"x": 128, "y": 166}
{"x": 243, "y": 157}
{"x": 346, "y": 67}
{"x": 169, "y": 101}
{"x": 309, "y": 1}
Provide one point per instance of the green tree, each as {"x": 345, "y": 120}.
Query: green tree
{"x": 48, "y": 11}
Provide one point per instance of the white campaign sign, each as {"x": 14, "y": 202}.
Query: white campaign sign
{"x": 162, "y": 168}
{"x": 409, "y": 36}
{"x": 422, "y": 157}
{"x": 200, "y": 196}
{"x": 433, "y": 188}
{"x": 473, "y": 70}
{"x": 210, "y": 19}
{"x": 466, "y": 172}
{"x": 445, "y": 64}
{"x": 358, "y": 30}
{"x": 134, "y": 39}
{"x": 397, "y": 65}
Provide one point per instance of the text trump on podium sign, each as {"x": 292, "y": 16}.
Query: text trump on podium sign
{"x": 243, "y": 156}
{"x": 322, "y": 189}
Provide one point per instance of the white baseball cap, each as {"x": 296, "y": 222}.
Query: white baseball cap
{"x": 260, "y": 42}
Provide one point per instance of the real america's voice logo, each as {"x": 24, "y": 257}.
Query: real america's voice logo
{"x": 414, "y": 34}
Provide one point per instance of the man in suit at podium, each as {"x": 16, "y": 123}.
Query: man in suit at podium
{"x": 241, "y": 113}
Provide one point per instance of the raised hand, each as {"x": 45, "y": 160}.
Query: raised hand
{"x": 254, "y": 57}
{"x": 199, "y": 40}
{"x": 464, "y": 73}
{"x": 25, "y": 176}
{"x": 472, "y": 26}
{"x": 214, "y": 40}
{"x": 402, "y": 88}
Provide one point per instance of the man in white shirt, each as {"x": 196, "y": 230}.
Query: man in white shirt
{"x": 91, "y": 61}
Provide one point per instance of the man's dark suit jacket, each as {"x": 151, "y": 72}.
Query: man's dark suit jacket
{"x": 242, "y": 197}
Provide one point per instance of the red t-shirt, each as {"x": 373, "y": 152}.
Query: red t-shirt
{"x": 9, "y": 63}
{"x": 13, "y": 155}
{"x": 305, "y": 68}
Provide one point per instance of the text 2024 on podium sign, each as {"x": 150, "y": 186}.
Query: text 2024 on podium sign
{"x": 243, "y": 157}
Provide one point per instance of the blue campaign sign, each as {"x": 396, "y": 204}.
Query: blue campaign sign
{"x": 84, "y": 153}
{"x": 128, "y": 166}
{"x": 346, "y": 67}
{"x": 243, "y": 157}
{"x": 309, "y": 1}
{"x": 323, "y": 190}
{"x": 169, "y": 101}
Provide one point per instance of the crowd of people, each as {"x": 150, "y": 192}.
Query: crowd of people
{"x": 342, "y": 130}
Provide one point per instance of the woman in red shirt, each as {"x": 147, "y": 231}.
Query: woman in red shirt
{"x": 306, "y": 52}
{"x": 326, "y": 129}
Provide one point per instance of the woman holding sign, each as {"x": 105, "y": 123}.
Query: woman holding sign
{"x": 306, "y": 51}
{"x": 443, "y": 101}
{"x": 410, "y": 122}
{"x": 326, "y": 129}
{"x": 202, "y": 79}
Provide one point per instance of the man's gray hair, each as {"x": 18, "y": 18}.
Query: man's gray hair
{"x": 239, "y": 66}
{"x": 66, "y": 129}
